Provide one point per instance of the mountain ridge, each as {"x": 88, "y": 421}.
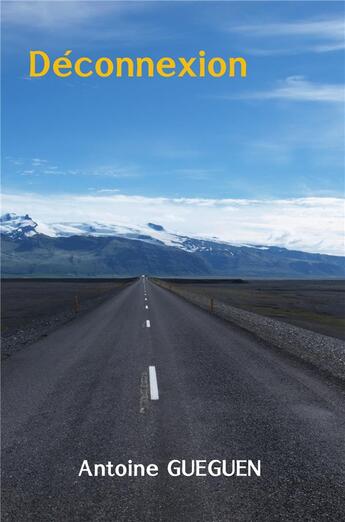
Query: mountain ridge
{"x": 95, "y": 249}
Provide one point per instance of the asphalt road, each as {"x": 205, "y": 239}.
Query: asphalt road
{"x": 84, "y": 392}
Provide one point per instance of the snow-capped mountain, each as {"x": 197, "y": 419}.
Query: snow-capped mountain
{"x": 16, "y": 226}
{"x": 31, "y": 248}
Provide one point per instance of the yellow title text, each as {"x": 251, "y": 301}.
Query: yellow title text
{"x": 199, "y": 66}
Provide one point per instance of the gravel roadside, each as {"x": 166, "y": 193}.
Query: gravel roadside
{"x": 322, "y": 351}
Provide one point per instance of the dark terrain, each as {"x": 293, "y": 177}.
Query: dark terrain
{"x": 32, "y": 307}
{"x": 315, "y": 305}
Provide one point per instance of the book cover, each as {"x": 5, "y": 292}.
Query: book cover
{"x": 172, "y": 251}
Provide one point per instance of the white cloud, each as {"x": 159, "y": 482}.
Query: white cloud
{"x": 38, "y": 162}
{"x": 326, "y": 28}
{"x": 81, "y": 19}
{"x": 104, "y": 191}
{"x": 14, "y": 161}
{"x": 297, "y": 88}
{"x": 39, "y": 167}
{"x": 57, "y": 14}
{"x": 53, "y": 172}
{"x": 313, "y": 224}
{"x": 323, "y": 35}
{"x": 111, "y": 171}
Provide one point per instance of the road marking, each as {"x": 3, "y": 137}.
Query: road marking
{"x": 146, "y": 307}
{"x": 145, "y": 298}
{"x": 148, "y": 324}
{"x": 153, "y": 384}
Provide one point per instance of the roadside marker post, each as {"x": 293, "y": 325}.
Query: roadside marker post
{"x": 76, "y": 304}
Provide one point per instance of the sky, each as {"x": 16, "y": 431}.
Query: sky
{"x": 257, "y": 159}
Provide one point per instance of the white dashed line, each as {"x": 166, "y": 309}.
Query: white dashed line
{"x": 145, "y": 298}
{"x": 153, "y": 384}
{"x": 146, "y": 307}
{"x": 148, "y": 324}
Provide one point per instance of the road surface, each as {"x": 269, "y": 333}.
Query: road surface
{"x": 160, "y": 379}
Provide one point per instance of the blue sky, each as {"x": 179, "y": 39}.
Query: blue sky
{"x": 275, "y": 135}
